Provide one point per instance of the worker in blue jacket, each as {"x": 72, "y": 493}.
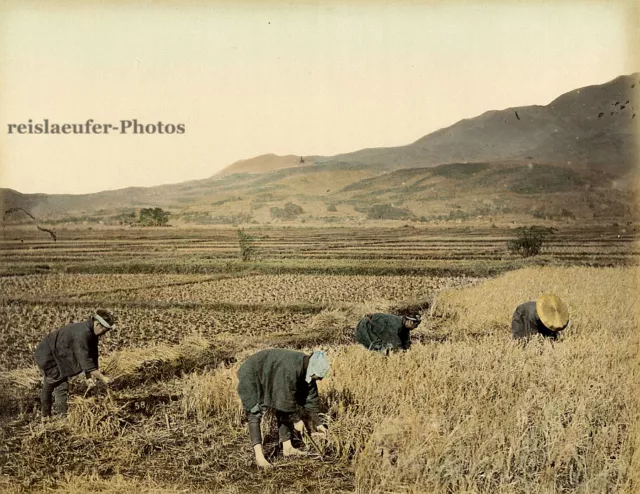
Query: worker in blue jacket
{"x": 282, "y": 380}
{"x": 547, "y": 316}
{"x": 385, "y": 332}
{"x": 67, "y": 352}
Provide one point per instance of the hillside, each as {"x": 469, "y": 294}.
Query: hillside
{"x": 592, "y": 126}
{"x": 573, "y": 158}
{"x": 265, "y": 163}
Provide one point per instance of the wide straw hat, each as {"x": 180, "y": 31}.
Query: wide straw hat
{"x": 552, "y": 311}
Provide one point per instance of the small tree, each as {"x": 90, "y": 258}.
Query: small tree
{"x": 292, "y": 210}
{"x": 127, "y": 218}
{"x": 154, "y": 217}
{"x": 289, "y": 212}
{"x": 247, "y": 247}
{"x": 388, "y": 212}
{"x": 529, "y": 240}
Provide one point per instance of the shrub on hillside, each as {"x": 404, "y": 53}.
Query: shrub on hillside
{"x": 154, "y": 217}
{"x": 529, "y": 240}
{"x": 289, "y": 212}
{"x": 247, "y": 247}
{"x": 388, "y": 212}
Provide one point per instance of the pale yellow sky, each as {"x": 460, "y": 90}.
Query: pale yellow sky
{"x": 253, "y": 78}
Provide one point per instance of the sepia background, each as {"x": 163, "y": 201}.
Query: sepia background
{"x": 252, "y": 78}
{"x": 451, "y": 159}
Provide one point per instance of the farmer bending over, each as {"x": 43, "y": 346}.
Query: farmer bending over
{"x": 280, "y": 379}
{"x": 546, "y": 316}
{"x": 66, "y": 352}
{"x": 384, "y": 332}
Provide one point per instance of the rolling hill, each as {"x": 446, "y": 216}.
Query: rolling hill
{"x": 573, "y": 158}
{"x": 592, "y": 126}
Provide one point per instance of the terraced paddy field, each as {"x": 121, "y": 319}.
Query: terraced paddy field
{"x": 464, "y": 410}
{"x": 173, "y": 251}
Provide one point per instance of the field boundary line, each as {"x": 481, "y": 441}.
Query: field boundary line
{"x": 300, "y": 307}
{"x": 221, "y": 276}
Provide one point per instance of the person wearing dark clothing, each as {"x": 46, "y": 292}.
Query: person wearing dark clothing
{"x": 384, "y": 332}
{"x": 546, "y": 316}
{"x": 56, "y": 390}
{"x": 67, "y": 352}
{"x": 282, "y": 380}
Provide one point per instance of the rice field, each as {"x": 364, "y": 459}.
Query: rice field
{"x": 465, "y": 410}
{"x": 292, "y": 289}
{"x": 169, "y": 251}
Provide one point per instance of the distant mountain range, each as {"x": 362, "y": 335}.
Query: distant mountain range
{"x": 573, "y": 158}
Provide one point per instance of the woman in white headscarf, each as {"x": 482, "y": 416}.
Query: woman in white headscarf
{"x": 282, "y": 380}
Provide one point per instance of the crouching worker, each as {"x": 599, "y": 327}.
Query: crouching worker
{"x": 548, "y": 315}
{"x": 385, "y": 332}
{"x": 281, "y": 380}
{"x": 67, "y": 352}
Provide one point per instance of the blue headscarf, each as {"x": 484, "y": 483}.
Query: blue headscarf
{"x": 318, "y": 365}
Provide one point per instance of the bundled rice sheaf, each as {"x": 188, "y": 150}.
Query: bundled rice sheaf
{"x": 333, "y": 326}
{"x": 98, "y": 416}
{"x": 25, "y": 378}
{"x": 135, "y": 367}
{"x": 212, "y": 393}
{"x": 19, "y": 391}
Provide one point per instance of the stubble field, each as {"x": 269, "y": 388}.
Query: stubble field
{"x": 465, "y": 410}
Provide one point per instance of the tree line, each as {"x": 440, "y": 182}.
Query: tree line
{"x": 146, "y": 217}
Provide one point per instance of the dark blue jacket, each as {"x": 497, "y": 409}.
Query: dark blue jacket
{"x": 525, "y": 322}
{"x": 68, "y": 351}
{"x": 379, "y": 331}
{"x": 276, "y": 379}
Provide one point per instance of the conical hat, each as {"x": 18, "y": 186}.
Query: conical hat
{"x": 552, "y": 311}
